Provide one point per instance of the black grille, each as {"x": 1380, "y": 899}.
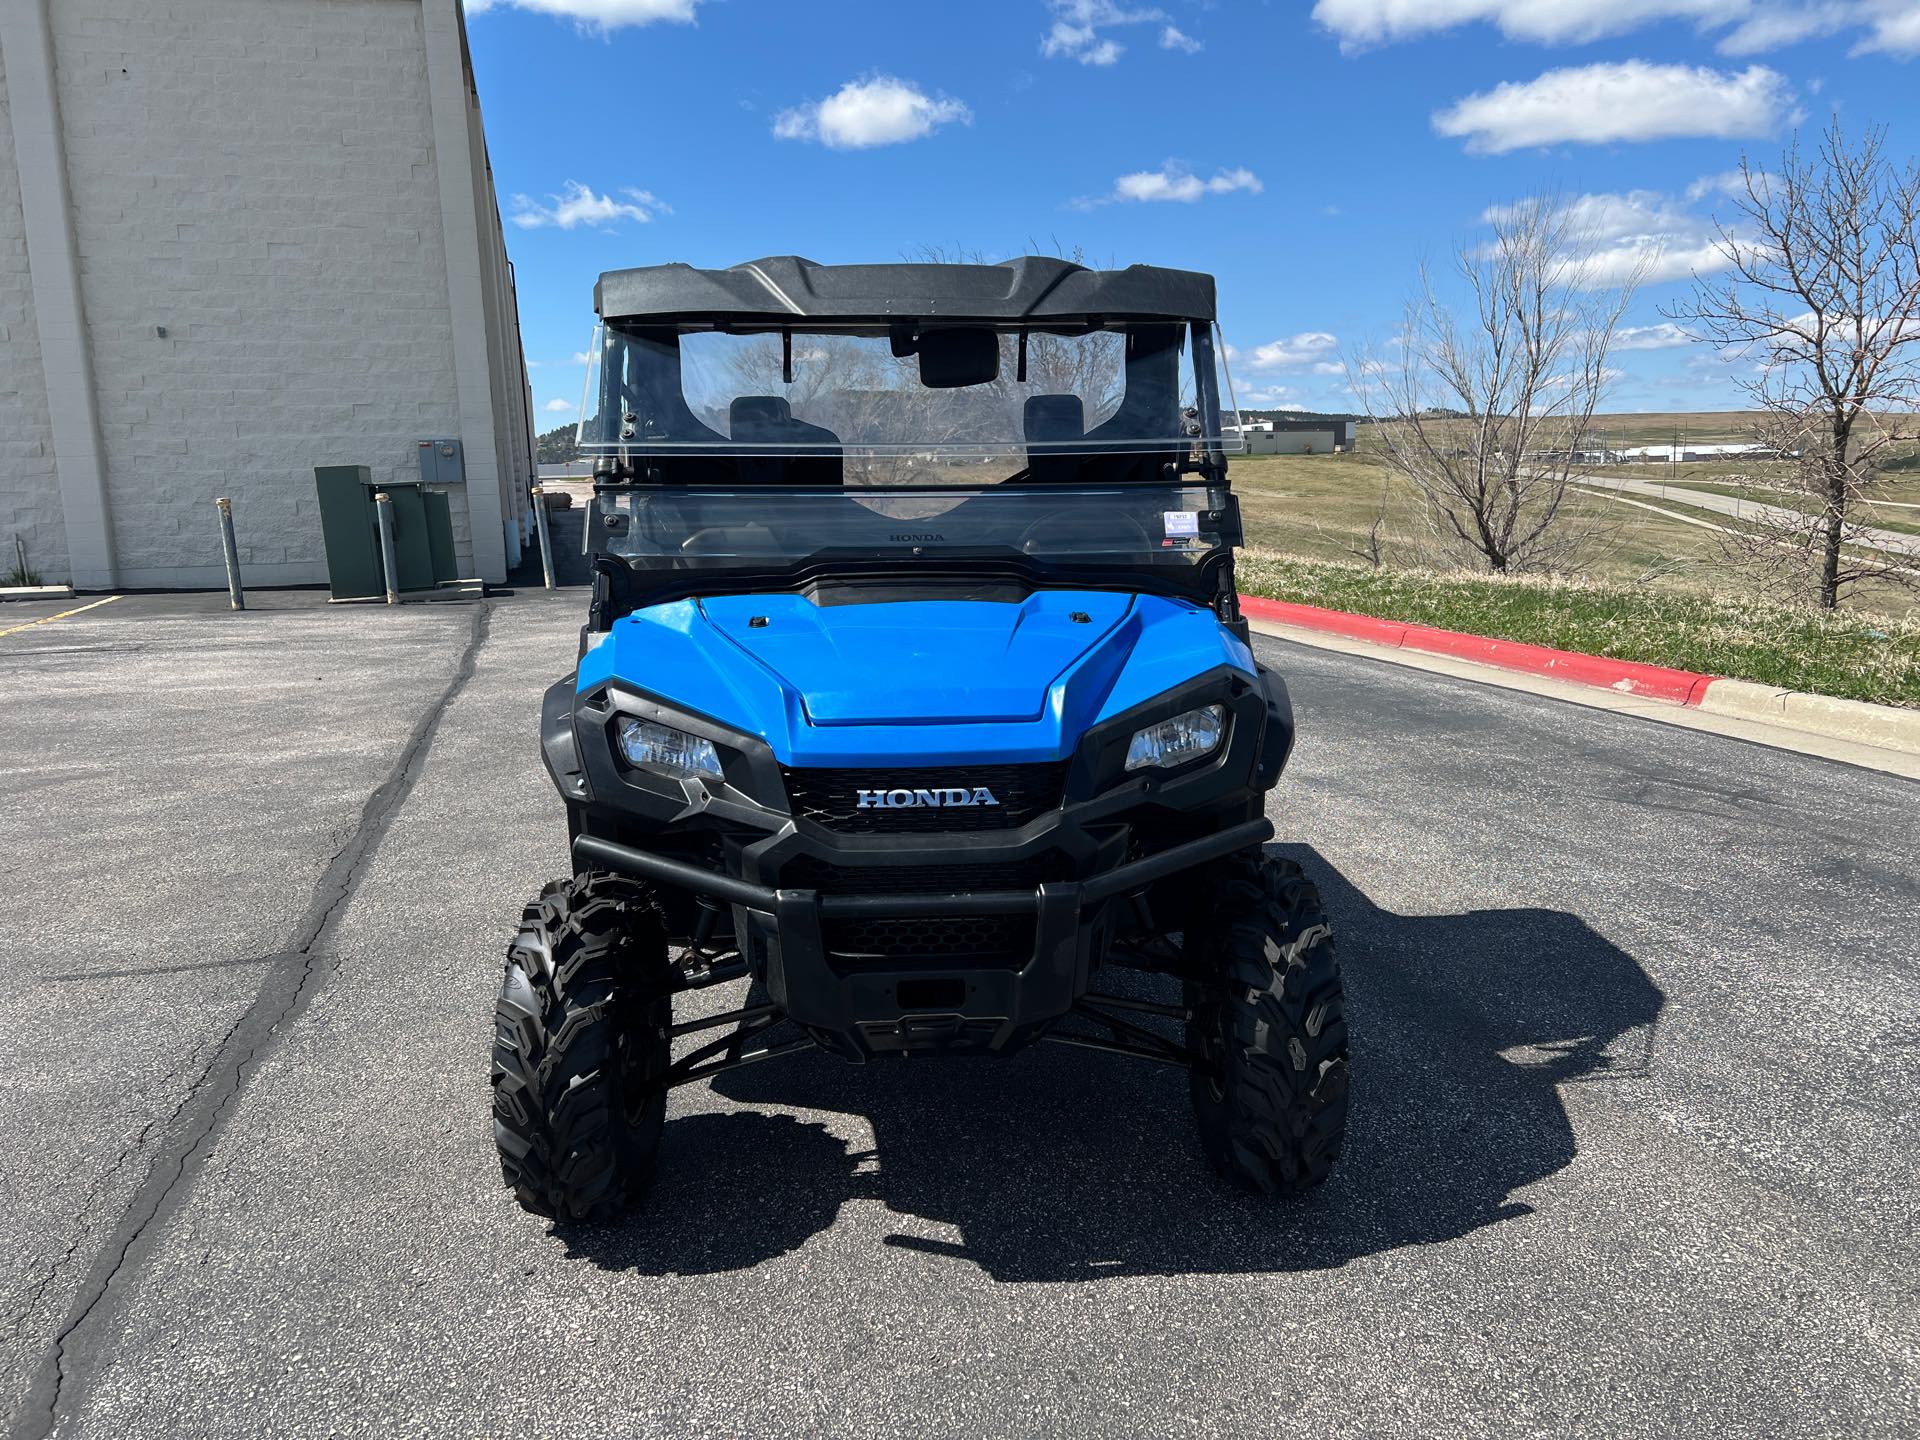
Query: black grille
{"x": 810, "y": 874}
{"x": 831, "y": 798}
{"x": 999, "y": 939}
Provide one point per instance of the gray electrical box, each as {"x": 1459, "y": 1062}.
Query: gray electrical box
{"x": 441, "y": 463}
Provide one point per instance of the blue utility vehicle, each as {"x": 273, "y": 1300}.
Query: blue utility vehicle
{"x": 915, "y": 689}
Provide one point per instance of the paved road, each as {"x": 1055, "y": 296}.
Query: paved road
{"x": 1634, "y": 1144}
{"x": 1899, "y": 542}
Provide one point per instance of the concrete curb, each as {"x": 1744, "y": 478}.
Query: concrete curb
{"x": 1888, "y": 727}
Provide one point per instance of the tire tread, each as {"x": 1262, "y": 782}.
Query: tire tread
{"x": 1268, "y": 987}
{"x": 583, "y": 1000}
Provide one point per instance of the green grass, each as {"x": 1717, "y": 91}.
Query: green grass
{"x": 1854, "y": 655}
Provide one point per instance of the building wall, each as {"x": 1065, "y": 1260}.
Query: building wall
{"x": 29, "y": 485}
{"x": 1290, "y": 442}
{"x": 257, "y": 179}
{"x": 285, "y": 252}
{"x": 508, "y": 390}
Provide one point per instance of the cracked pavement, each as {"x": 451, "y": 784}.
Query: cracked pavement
{"x": 1636, "y": 1012}
{"x": 171, "y": 812}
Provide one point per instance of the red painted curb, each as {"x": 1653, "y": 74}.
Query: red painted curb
{"x": 1657, "y": 682}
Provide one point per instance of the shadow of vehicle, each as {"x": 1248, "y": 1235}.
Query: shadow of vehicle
{"x": 1058, "y": 1164}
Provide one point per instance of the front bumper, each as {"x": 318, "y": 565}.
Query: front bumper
{"x": 872, "y": 1010}
{"x": 973, "y": 939}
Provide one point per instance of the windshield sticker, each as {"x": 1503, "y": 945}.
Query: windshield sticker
{"x": 1182, "y": 522}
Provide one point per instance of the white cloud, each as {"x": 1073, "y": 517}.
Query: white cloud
{"x": 1664, "y": 336}
{"x": 1769, "y": 27}
{"x": 1079, "y": 42}
{"x": 581, "y": 357}
{"x": 1893, "y": 28}
{"x": 1075, "y": 32}
{"x": 1642, "y": 233}
{"x": 1724, "y": 182}
{"x": 1174, "y": 38}
{"x": 1748, "y": 26}
{"x": 1269, "y": 397}
{"x": 1608, "y": 378}
{"x": 1372, "y": 22}
{"x": 1630, "y": 101}
{"x": 1173, "y": 181}
{"x": 577, "y": 204}
{"x": 879, "y": 110}
{"x": 557, "y": 407}
{"x": 598, "y": 14}
{"x": 1294, "y": 352}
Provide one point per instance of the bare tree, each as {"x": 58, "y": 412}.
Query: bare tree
{"x": 1487, "y": 410}
{"x": 1822, "y": 293}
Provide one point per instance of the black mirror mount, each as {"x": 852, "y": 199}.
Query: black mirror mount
{"x": 952, "y": 359}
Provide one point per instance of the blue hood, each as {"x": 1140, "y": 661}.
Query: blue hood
{"x": 927, "y": 682}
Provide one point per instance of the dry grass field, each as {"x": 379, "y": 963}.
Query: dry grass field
{"x": 1321, "y": 507}
{"x": 1659, "y": 591}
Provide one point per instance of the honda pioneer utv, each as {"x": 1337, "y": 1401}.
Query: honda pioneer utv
{"x": 914, "y": 687}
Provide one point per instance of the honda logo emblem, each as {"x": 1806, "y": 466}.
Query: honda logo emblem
{"x": 925, "y": 799}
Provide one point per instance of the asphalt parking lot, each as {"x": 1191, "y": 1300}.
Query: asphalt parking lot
{"x": 1634, "y": 1149}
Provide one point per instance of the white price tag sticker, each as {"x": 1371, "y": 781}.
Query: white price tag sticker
{"x": 1182, "y": 522}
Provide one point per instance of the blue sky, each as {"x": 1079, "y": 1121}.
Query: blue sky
{"x": 1308, "y": 155}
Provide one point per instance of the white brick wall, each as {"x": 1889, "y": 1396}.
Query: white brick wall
{"x": 29, "y": 488}
{"x": 257, "y": 177}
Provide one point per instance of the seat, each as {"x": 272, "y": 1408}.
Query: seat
{"x": 1053, "y": 421}
{"x": 768, "y": 420}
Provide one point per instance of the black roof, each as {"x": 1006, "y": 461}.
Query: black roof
{"x": 1036, "y": 287}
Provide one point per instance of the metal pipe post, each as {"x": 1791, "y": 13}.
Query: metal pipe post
{"x": 546, "y": 539}
{"x": 383, "y": 509}
{"x": 235, "y": 595}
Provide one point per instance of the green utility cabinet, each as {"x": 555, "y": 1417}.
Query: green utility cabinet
{"x": 422, "y": 533}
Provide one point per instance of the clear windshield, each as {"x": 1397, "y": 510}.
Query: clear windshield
{"x": 1130, "y": 525}
{"x": 911, "y": 403}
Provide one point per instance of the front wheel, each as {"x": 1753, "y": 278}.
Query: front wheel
{"x": 1269, "y": 1026}
{"x": 580, "y": 1048}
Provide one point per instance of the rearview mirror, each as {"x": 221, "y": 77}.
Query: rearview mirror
{"x": 951, "y": 359}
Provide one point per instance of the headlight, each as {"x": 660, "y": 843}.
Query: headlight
{"x": 666, "y": 750}
{"x": 1176, "y": 741}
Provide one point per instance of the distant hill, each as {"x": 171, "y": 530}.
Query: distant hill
{"x": 1247, "y": 414}
{"x": 556, "y": 447}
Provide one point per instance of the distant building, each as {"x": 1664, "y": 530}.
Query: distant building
{"x": 239, "y": 240}
{"x": 1300, "y": 434}
{"x": 1685, "y": 452}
